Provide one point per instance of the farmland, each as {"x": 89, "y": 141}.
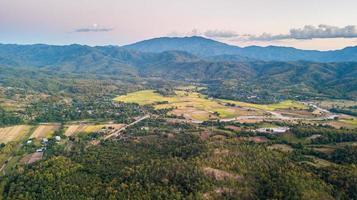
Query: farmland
{"x": 13, "y": 133}
{"x": 73, "y": 129}
{"x": 196, "y": 106}
{"x": 44, "y": 131}
{"x": 190, "y": 105}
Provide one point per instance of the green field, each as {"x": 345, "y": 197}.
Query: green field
{"x": 196, "y": 106}
{"x": 288, "y": 104}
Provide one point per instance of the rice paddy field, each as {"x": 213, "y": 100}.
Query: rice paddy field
{"x": 195, "y": 106}
{"x": 288, "y": 104}
{"x": 44, "y": 131}
{"x": 344, "y": 122}
{"x": 327, "y": 104}
{"x": 13, "y": 133}
{"x": 86, "y": 128}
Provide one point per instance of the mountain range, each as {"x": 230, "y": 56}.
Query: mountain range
{"x": 228, "y": 71}
{"x": 206, "y": 48}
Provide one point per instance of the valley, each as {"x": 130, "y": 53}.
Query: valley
{"x": 192, "y": 106}
{"x": 116, "y": 123}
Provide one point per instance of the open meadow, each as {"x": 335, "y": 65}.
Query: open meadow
{"x": 74, "y": 129}
{"x": 45, "y": 131}
{"x": 196, "y": 106}
{"x": 13, "y": 133}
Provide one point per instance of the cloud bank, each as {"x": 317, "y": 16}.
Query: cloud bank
{"x": 220, "y": 34}
{"x": 309, "y": 32}
{"x": 209, "y": 33}
{"x": 94, "y": 28}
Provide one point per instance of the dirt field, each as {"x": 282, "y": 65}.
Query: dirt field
{"x": 296, "y": 113}
{"x": 13, "y": 133}
{"x": 191, "y": 105}
{"x": 346, "y": 123}
{"x": 35, "y": 157}
{"x": 335, "y": 103}
{"x": 85, "y": 128}
{"x": 44, "y": 131}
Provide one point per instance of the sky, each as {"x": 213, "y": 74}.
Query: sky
{"x": 305, "y": 24}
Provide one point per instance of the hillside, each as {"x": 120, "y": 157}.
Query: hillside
{"x": 229, "y": 76}
{"x": 206, "y": 47}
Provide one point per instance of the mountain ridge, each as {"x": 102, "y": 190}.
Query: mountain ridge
{"x": 205, "y": 47}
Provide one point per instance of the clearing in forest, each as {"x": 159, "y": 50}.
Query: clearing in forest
{"x": 85, "y": 128}
{"x": 45, "y": 131}
{"x": 196, "y": 106}
{"x": 13, "y": 133}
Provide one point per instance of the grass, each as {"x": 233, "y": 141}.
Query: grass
{"x": 288, "y": 104}
{"x": 92, "y": 128}
{"x": 318, "y": 162}
{"x": 44, "y": 131}
{"x": 336, "y": 103}
{"x": 281, "y": 147}
{"x": 13, "y": 133}
{"x": 74, "y": 129}
{"x": 143, "y": 97}
{"x": 352, "y": 121}
{"x": 197, "y": 106}
{"x": 192, "y": 105}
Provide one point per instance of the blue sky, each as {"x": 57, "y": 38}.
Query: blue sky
{"x": 307, "y": 24}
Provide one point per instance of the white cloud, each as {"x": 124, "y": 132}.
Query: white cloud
{"x": 209, "y": 33}
{"x": 309, "y": 32}
{"x": 93, "y": 28}
{"x": 220, "y": 34}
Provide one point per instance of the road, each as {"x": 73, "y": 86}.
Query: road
{"x": 4, "y": 165}
{"x": 116, "y": 133}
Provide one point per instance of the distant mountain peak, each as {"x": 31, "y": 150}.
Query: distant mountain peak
{"x": 205, "y": 47}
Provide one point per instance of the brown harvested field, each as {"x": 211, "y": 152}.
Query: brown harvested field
{"x": 13, "y": 133}
{"x": 72, "y": 129}
{"x": 44, "y": 131}
{"x": 25, "y": 159}
{"x": 86, "y": 128}
{"x": 296, "y": 113}
{"x": 341, "y": 124}
{"x": 35, "y": 157}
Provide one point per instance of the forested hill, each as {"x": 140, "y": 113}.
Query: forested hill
{"x": 206, "y": 47}
{"x": 225, "y": 75}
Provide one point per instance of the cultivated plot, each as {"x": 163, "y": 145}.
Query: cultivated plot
{"x": 85, "y": 128}
{"x": 13, "y": 133}
{"x": 196, "y": 106}
{"x": 45, "y": 131}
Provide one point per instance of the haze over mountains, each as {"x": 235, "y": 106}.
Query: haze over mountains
{"x": 231, "y": 71}
{"x": 211, "y": 50}
{"x": 206, "y": 47}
